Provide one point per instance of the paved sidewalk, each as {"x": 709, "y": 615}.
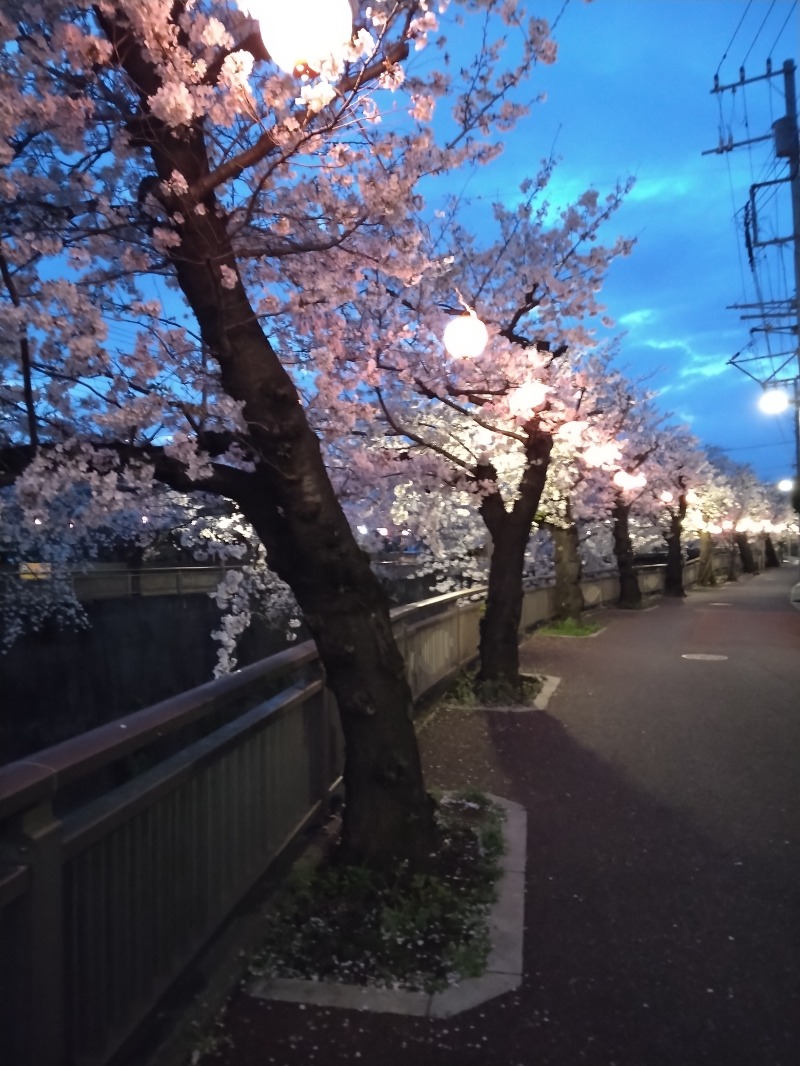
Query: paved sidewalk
{"x": 663, "y": 800}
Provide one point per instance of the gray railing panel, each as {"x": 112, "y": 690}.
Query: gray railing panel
{"x": 144, "y": 896}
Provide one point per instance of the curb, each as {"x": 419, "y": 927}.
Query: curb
{"x": 503, "y": 968}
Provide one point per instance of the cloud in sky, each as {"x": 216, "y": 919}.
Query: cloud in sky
{"x": 631, "y": 95}
{"x": 635, "y": 319}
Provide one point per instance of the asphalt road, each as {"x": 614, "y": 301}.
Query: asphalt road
{"x": 663, "y": 883}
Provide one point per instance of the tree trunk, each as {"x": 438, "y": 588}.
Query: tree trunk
{"x": 568, "y": 594}
{"x": 510, "y": 530}
{"x": 630, "y": 595}
{"x": 770, "y": 555}
{"x": 705, "y": 572}
{"x": 290, "y": 501}
{"x": 733, "y": 557}
{"x": 746, "y": 552}
{"x": 387, "y": 815}
{"x": 673, "y": 579}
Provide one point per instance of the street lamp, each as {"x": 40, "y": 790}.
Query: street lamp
{"x": 786, "y": 484}
{"x": 465, "y": 336}
{"x": 629, "y": 482}
{"x": 529, "y": 396}
{"x": 773, "y": 401}
{"x": 302, "y": 35}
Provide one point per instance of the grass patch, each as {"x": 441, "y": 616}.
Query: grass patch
{"x": 413, "y": 931}
{"x": 570, "y": 628}
{"x": 465, "y": 692}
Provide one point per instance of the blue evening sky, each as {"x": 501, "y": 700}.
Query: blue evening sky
{"x": 630, "y": 95}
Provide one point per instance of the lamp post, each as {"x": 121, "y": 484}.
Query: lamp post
{"x": 775, "y": 399}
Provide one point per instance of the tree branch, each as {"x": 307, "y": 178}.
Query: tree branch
{"x": 268, "y": 141}
{"x": 24, "y": 355}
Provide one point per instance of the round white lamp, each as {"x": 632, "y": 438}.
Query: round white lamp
{"x": 302, "y": 34}
{"x": 773, "y": 401}
{"x": 629, "y": 482}
{"x": 525, "y": 399}
{"x": 465, "y": 336}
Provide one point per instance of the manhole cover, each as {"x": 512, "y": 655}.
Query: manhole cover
{"x": 706, "y": 658}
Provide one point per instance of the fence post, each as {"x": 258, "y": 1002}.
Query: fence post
{"x": 328, "y": 753}
{"x": 36, "y": 844}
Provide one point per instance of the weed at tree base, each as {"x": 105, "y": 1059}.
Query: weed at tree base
{"x": 466, "y": 691}
{"x": 417, "y": 931}
{"x": 569, "y": 627}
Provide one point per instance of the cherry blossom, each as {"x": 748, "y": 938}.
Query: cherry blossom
{"x": 181, "y": 242}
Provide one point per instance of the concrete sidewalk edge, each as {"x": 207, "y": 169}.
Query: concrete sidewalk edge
{"x": 504, "y": 968}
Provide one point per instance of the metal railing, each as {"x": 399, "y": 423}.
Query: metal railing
{"x": 112, "y": 880}
{"x": 159, "y": 581}
{"x": 103, "y": 582}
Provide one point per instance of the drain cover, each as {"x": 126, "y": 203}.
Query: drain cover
{"x": 706, "y": 658}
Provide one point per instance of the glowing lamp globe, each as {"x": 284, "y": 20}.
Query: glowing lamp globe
{"x": 629, "y": 482}
{"x": 773, "y": 401}
{"x": 785, "y": 484}
{"x": 302, "y": 34}
{"x": 666, "y": 497}
{"x": 465, "y": 337}
{"x": 527, "y": 398}
{"x": 602, "y": 454}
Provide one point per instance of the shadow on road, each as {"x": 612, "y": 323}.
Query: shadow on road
{"x": 647, "y": 944}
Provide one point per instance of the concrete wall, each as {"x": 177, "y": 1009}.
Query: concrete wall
{"x": 59, "y": 682}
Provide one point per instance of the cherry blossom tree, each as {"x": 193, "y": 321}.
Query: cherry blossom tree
{"x": 175, "y": 215}
{"x": 639, "y": 431}
{"x": 484, "y": 422}
{"x": 675, "y": 472}
{"x": 749, "y": 507}
{"x": 597, "y": 478}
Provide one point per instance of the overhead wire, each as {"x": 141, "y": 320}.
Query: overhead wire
{"x": 735, "y": 32}
{"x": 783, "y": 27}
{"x": 564, "y": 7}
{"x": 763, "y": 276}
{"x": 758, "y": 33}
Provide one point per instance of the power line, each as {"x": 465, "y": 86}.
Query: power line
{"x": 741, "y": 20}
{"x": 564, "y": 7}
{"x": 750, "y": 447}
{"x": 760, "y": 28}
{"x": 783, "y": 27}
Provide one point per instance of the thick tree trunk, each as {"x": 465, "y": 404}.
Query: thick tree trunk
{"x": 705, "y": 572}
{"x": 673, "y": 579}
{"x": 291, "y": 503}
{"x": 568, "y": 595}
{"x": 749, "y": 565}
{"x": 510, "y": 530}
{"x": 387, "y": 815}
{"x": 770, "y": 555}
{"x": 499, "y": 627}
{"x": 630, "y": 595}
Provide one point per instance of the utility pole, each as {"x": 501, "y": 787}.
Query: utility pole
{"x": 778, "y": 316}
